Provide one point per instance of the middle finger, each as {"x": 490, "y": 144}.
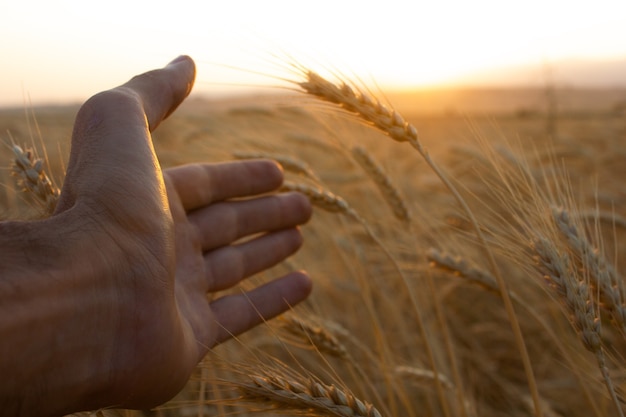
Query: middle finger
{"x": 223, "y": 223}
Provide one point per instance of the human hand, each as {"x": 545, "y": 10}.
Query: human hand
{"x": 115, "y": 294}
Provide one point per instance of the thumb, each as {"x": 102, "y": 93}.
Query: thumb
{"x": 112, "y": 153}
{"x": 161, "y": 91}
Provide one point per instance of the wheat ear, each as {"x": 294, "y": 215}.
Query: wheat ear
{"x": 423, "y": 375}
{"x": 461, "y": 267}
{"x": 306, "y": 395}
{"x": 390, "y": 122}
{"x": 31, "y": 177}
{"x": 321, "y": 198}
{"x": 557, "y": 270}
{"x": 320, "y": 337}
{"x": 602, "y": 275}
{"x": 390, "y": 193}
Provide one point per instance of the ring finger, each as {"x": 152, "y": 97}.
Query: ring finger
{"x": 229, "y": 265}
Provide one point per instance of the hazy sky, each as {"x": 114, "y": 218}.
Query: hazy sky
{"x": 62, "y": 50}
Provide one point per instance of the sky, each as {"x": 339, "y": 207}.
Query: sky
{"x": 64, "y": 51}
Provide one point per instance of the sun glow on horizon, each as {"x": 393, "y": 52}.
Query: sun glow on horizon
{"x": 60, "y": 51}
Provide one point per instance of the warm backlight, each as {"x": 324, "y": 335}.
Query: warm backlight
{"x": 68, "y": 50}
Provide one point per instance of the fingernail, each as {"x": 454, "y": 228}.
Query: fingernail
{"x": 181, "y": 58}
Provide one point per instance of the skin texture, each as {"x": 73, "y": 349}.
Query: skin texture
{"x": 111, "y": 302}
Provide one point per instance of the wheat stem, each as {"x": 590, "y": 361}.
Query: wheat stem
{"x": 391, "y": 123}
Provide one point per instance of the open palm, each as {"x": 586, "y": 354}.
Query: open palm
{"x": 127, "y": 301}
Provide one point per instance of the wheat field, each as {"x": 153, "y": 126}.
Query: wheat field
{"x": 464, "y": 263}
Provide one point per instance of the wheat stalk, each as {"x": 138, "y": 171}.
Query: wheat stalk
{"x": 372, "y": 111}
{"x": 464, "y": 268}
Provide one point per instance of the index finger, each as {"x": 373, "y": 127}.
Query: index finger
{"x": 198, "y": 185}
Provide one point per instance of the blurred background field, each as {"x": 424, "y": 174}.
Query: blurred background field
{"x": 576, "y": 121}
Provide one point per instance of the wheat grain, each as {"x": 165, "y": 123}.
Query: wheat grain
{"x": 321, "y": 198}
{"x": 314, "y": 333}
{"x": 460, "y": 266}
{"x": 31, "y": 177}
{"x": 390, "y": 193}
{"x": 423, "y": 375}
{"x": 559, "y": 273}
{"x": 368, "y": 108}
{"x": 305, "y": 395}
{"x": 601, "y": 273}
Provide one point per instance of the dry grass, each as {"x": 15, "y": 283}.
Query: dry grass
{"x": 410, "y": 317}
